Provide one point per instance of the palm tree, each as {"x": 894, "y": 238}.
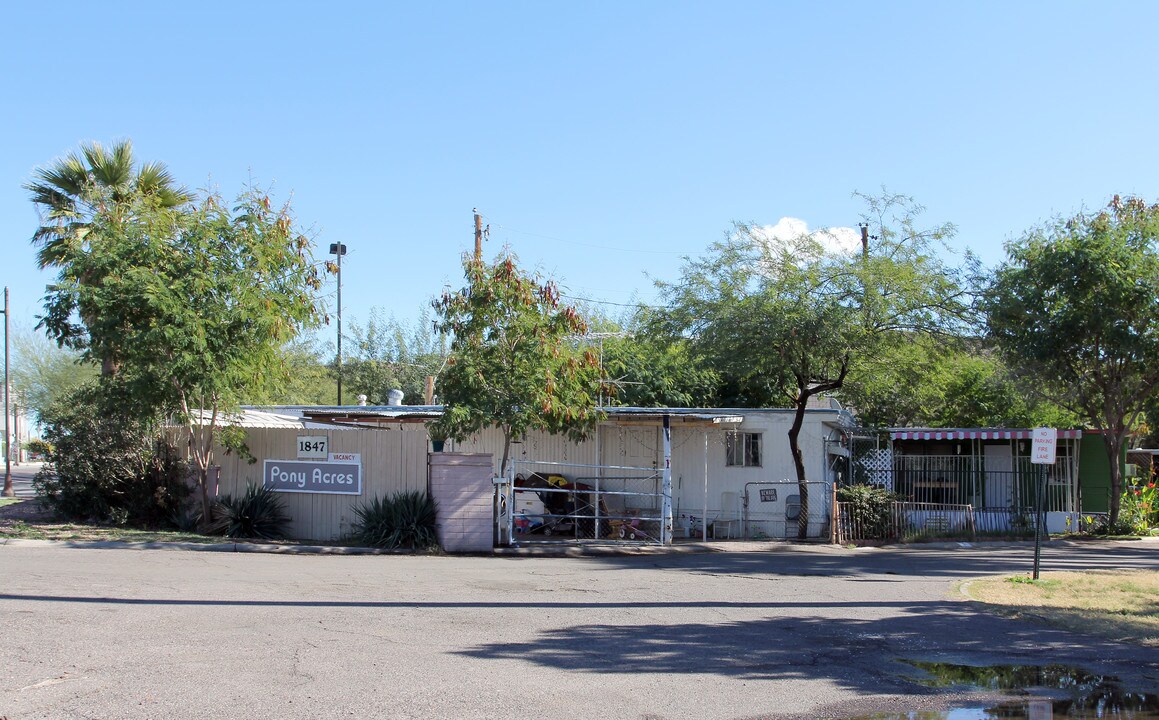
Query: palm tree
{"x": 71, "y": 192}
{"x": 96, "y": 183}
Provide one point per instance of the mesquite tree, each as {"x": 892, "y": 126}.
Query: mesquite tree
{"x": 789, "y": 319}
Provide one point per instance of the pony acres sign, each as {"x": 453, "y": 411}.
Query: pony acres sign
{"x": 339, "y": 474}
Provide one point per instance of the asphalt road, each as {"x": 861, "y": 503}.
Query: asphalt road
{"x": 787, "y": 631}
{"x": 22, "y": 475}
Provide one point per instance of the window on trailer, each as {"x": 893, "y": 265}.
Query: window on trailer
{"x": 742, "y": 449}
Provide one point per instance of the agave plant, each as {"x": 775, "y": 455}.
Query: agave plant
{"x": 405, "y": 520}
{"x": 259, "y": 513}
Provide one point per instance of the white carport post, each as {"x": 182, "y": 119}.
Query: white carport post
{"x": 704, "y": 517}
{"x": 666, "y": 487}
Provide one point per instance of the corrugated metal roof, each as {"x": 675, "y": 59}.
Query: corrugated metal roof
{"x": 252, "y": 419}
{"x": 280, "y": 417}
{"x": 371, "y": 416}
{"x": 379, "y": 410}
{"x": 676, "y": 414}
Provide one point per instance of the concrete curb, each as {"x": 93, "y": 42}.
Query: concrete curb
{"x": 277, "y": 549}
{"x": 269, "y": 548}
{"x": 521, "y": 551}
{"x": 682, "y": 548}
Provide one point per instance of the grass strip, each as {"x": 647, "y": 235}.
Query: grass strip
{"x": 1118, "y": 605}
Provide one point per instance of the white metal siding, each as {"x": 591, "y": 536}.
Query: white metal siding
{"x": 726, "y": 483}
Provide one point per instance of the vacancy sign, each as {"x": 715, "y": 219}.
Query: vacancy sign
{"x": 1045, "y": 445}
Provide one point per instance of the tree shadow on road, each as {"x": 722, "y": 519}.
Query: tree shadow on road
{"x": 902, "y": 562}
{"x": 865, "y": 656}
{"x": 859, "y": 645}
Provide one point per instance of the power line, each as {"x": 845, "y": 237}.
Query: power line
{"x": 606, "y": 302}
{"x": 596, "y": 247}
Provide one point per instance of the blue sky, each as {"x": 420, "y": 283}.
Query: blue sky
{"x": 601, "y": 141}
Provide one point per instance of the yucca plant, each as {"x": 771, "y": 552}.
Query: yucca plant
{"x": 405, "y": 520}
{"x": 259, "y": 513}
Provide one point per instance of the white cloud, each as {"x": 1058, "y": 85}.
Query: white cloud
{"x": 786, "y": 229}
{"x": 835, "y": 240}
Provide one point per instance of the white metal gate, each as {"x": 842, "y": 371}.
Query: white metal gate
{"x": 548, "y": 502}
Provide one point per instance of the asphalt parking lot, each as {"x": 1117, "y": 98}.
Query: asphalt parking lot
{"x": 755, "y": 631}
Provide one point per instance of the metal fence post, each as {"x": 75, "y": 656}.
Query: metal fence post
{"x": 1040, "y": 519}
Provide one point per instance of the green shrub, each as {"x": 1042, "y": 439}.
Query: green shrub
{"x": 1139, "y": 509}
{"x": 106, "y": 466}
{"x": 258, "y": 513}
{"x": 406, "y": 520}
{"x": 1099, "y": 524}
{"x": 38, "y": 447}
{"x": 871, "y": 507}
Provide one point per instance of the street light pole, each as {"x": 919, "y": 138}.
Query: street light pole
{"x": 8, "y": 490}
{"x": 339, "y": 249}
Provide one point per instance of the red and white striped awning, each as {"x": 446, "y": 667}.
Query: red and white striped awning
{"x": 975, "y": 434}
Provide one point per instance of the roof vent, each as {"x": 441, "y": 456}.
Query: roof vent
{"x": 394, "y": 397}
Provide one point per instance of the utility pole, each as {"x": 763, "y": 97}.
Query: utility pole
{"x": 339, "y": 249}
{"x": 8, "y": 490}
{"x": 478, "y": 236}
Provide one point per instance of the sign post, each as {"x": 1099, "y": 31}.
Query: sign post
{"x": 1042, "y": 453}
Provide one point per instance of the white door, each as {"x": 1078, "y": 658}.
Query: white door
{"x": 630, "y": 446}
{"x": 999, "y": 476}
{"x": 641, "y": 446}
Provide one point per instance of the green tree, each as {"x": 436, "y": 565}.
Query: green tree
{"x": 515, "y": 363}
{"x": 790, "y": 320}
{"x": 943, "y": 382}
{"x": 650, "y": 370}
{"x": 194, "y": 303}
{"x": 305, "y": 377}
{"x": 1075, "y": 309}
{"x": 1149, "y": 435}
{"x": 44, "y": 372}
{"x": 74, "y": 193}
{"x": 388, "y": 354}
{"x": 979, "y": 391}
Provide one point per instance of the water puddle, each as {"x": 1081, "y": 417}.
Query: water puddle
{"x": 1053, "y": 692}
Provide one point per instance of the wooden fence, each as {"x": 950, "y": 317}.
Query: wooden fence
{"x": 393, "y": 460}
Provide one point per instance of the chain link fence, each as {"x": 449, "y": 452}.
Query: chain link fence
{"x": 567, "y": 503}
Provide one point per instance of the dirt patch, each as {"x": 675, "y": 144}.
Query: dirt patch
{"x": 27, "y": 519}
{"x": 24, "y": 510}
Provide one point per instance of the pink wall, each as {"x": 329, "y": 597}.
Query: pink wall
{"x": 461, "y": 485}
